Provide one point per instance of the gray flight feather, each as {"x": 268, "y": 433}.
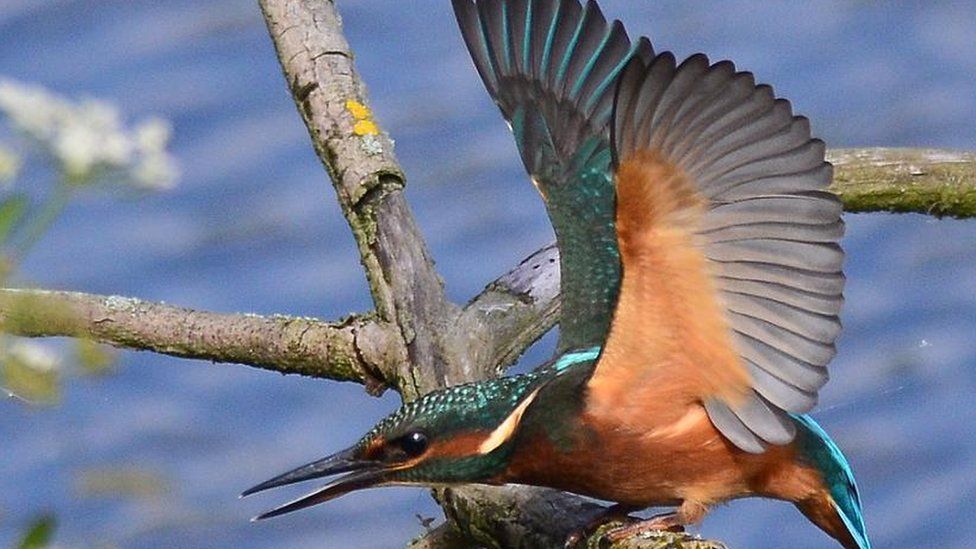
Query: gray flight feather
{"x": 770, "y": 229}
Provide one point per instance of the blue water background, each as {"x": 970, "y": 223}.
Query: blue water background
{"x": 254, "y": 227}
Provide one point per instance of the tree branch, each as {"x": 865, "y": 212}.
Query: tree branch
{"x": 358, "y": 348}
{"x": 510, "y": 314}
{"x": 328, "y": 92}
{"x": 927, "y": 181}
{"x": 520, "y": 516}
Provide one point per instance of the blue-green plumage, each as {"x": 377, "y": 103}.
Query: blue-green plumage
{"x": 823, "y": 453}
{"x": 477, "y": 405}
{"x": 558, "y": 101}
{"x": 470, "y": 407}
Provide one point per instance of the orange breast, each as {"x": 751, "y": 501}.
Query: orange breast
{"x": 688, "y": 459}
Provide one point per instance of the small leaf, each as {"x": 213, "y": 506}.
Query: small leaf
{"x": 40, "y": 533}
{"x": 11, "y": 210}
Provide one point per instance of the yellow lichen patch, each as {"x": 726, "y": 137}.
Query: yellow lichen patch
{"x": 365, "y": 127}
{"x": 358, "y": 110}
{"x": 364, "y": 118}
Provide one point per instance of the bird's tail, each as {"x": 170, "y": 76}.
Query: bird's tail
{"x": 838, "y": 513}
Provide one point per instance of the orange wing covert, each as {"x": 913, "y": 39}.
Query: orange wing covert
{"x": 732, "y": 280}
{"x": 668, "y": 317}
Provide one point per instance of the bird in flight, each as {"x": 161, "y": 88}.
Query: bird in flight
{"x": 701, "y": 282}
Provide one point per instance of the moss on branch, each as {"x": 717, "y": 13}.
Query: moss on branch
{"x": 926, "y": 181}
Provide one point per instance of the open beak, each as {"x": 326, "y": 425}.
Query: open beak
{"x": 362, "y": 474}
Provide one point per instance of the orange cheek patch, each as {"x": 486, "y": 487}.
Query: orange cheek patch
{"x": 465, "y": 444}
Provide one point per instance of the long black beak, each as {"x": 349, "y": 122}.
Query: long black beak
{"x": 362, "y": 474}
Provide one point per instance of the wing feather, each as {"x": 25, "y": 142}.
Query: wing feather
{"x": 780, "y": 393}
{"x": 551, "y": 66}
{"x": 723, "y": 210}
{"x": 731, "y": 281}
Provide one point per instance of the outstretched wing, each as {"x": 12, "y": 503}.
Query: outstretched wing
{"x": 732, "y": 281}
{"x": 552, "y": 67}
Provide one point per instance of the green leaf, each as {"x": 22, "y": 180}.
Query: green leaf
{"x": 40, "y": 533}
{"x": 11, "y": 210}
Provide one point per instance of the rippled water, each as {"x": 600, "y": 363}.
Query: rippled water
{"x": 254, "y": 227}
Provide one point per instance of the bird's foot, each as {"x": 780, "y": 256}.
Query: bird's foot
{"x": 614, "y": 513}
{"x": 665, "y": 522}
{"x": 689, "y": 512}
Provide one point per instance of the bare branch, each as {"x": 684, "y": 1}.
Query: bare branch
{"x": 509, "y": 516}
{"x": 511, "y": 313}
{"x": 359, "y": 349}
{"x": 927, "y": 181}
{"x": 318, "y": 64}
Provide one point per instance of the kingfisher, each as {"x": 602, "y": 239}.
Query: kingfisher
{"x": 701, "y": 282}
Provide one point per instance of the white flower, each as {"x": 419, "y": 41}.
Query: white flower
{"x": 155, "y": 168}
{"x": 91, "y": 138}
{"x": 152, "y": 135}
{"x": 156, "y": 172}
{"x": 87, "y": 138}
{"x": 32, "y": 109}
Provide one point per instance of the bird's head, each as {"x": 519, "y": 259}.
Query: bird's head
{"x": 461, "y": 434}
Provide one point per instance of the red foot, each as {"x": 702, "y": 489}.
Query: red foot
{"x": 667, "y": 522}
{"x": 613, "y": 513}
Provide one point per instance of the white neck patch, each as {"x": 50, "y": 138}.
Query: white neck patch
{"x": 507, "y": 428}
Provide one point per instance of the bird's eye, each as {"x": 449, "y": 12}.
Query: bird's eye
{"x": 414, "y": 443}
